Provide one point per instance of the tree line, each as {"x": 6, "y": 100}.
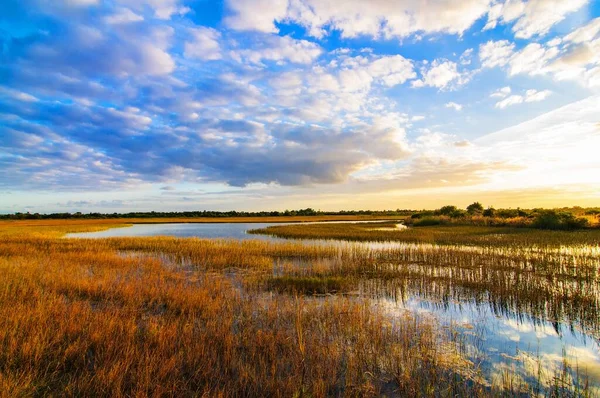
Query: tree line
{"x": 203, "y": 214}
{"x": 476, "y": 214}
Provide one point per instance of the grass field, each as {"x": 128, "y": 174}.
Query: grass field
{"x": 443, "y": 235}
{"x": 188, "y": 317}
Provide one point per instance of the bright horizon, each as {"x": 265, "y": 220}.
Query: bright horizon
{"x": 173, "y": 105}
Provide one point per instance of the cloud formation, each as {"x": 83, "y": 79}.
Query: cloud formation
{"x": 112, "y": 95}
{"x": 571, "y": 57}
{"x": 531, "y": 95}
{"x": 376, "y": 19}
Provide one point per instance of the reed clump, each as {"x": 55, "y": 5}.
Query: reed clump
{"x": 308, "y": 284}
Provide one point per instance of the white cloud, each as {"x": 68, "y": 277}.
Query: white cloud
{"x": 536, "y": 96}
{"x": 533, "y": 59}
{"x": 454, "y": 105}
{"x": 440, "y": 74}
{"x": 321, "y": 80}
{"x": 257, "y": 15}
{"x": 377, "y": 18}
{"x": 358, "y": 75}
{"x": 392, "y": 70}
{"x": 554, "y": 42}
{"x": 512, "y": 100}
{"x": 501, "y": 93}
{"x": 593, "y": 77}
{"x": 154, "y": 60}
{"x": 19, "y": 95}
{"x": 465, "y": 58}
{"x": 204, "y": 44}
{"x": 163, "y": 9}
{"x": 280, "y": 49}
{"x": 496, "y": 53}
{"x": 123, "y": 16}
{"x": 574, "y": 60}
{"x": 532, "y": 17}
{"x": 287, "y": 83}
{"x": 585, "y": 33}
{"x": 355, "y": 79}
{"x": 529, "y": 96}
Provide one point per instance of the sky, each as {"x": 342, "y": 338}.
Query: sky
{"x": 170, "y": 105}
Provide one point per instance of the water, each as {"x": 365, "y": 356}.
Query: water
{"x": 200, "y": 230}
{"x": 503, "y": 331}
{"x": 184, "y": 230}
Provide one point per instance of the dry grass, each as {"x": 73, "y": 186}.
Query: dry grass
{"x": 84, "y": 318}
{"x": 441, "y": 235}
{"x": 192, "y": 317}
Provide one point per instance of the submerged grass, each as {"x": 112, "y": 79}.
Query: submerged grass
{"x": 187, "y": 317}
{"x": 308, "y": 284}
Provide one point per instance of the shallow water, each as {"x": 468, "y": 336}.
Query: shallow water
{"x": 200, "y": 230}
{"x": 502, "y": 331}
{"x": 204, "y": 230}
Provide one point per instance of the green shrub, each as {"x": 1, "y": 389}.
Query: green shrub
{"x": 475, "y": 208}
{"x": 446, "y": 210}
{"x": 428, "y": 221}
{"x": 458, "y": 213}
{"x": 489, "y": 212}
{"x": 551, "y": 219}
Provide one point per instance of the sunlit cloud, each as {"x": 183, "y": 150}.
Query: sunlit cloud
{"x": 287, "y": 102}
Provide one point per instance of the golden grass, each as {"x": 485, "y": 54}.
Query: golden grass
{"x": 450, "y": 235}
{"x": 83, "y": 318}
{"x": 195, "y": 317}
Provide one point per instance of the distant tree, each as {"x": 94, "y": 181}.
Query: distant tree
{"x": 507, "y": 213}
{"x": 522, "y": 213}
{"x": 422, "y": 213}
{"x": 458, "y": 213}
{"x": 552, "y": 219}
{"x": 446, "y": 210}
{"x": 475, "y": 208}
{"x": 489, "y": 212}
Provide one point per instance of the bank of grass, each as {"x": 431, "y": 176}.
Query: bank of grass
{"x": 195, "y": 317}
{"x": 435, "y": 234}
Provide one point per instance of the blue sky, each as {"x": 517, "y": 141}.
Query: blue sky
{"x": 272, "y": 104}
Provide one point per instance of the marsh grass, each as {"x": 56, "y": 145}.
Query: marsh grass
{"x": 441, "y": 235}
{"x": 308, "y": 284}
{"x": 80, "y": 318}
{"x": 187, "y": 317}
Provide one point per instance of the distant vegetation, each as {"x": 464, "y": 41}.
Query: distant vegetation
{"x": 450, "y": 235}
{"x": 204, "y": 214}
{"x": 475, "y": 214}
